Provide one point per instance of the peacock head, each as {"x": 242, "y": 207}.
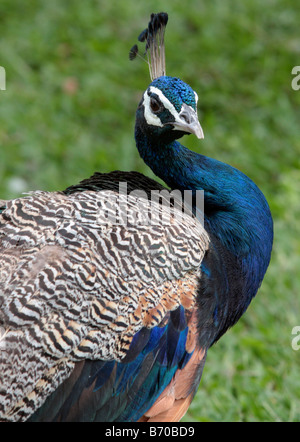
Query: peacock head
{"x": 168, "y": 110}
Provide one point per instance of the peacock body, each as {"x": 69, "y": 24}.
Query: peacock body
{"x": 106, "y": 320}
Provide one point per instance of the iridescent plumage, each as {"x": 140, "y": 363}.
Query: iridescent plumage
{"x": 103, "y": 319}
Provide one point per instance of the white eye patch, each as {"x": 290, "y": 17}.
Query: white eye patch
{"x": 150, "y": 117}
{"x": 153, "y": 119}
{"x": 196, "y": 97}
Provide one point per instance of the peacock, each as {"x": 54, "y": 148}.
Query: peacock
{"x": 110, "y": 298}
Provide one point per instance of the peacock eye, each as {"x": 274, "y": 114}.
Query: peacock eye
{"x": 155, "y": 105}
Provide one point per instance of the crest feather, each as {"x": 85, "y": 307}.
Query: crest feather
{"x": 155, "y": 46}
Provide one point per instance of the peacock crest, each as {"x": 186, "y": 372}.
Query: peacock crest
{"x": 154, "y": 37}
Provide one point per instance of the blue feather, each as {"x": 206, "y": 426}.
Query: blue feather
{"x": 240, "y": 228}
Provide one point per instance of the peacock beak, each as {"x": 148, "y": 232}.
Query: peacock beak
{"x": 187, "y": 121}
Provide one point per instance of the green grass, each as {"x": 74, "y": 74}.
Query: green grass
{"x": 68, "y": 110}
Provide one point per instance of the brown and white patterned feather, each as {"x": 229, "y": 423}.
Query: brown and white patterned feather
{"x": 74, "y": 286}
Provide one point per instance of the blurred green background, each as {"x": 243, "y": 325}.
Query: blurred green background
{"x": 69, "y": 108}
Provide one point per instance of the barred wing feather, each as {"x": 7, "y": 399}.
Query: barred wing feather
{"x": 77, "y": 287}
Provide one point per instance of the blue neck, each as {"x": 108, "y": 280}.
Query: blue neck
{"x": 235, "y": 210}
